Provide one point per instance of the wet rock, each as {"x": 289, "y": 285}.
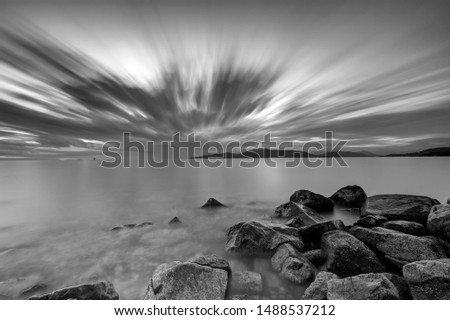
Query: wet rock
{"x": 369, "y": 286}
{"x": 131, "y": 226}
{"x": 316, "y": 257}
{"x": 313, "y": 233}
{"x": 213, "y": 261}
{"x": 95, "y": 291}
{"x": 350, "y": 197}
{"x": 348, "y": 256}
{"x": 312, "y": 200}
{"x": 318, "y": 289}
{"x": 302, "y": 214}
{"x": 429, "y": 279}
{"x": 247, "y": 281}
{"x": 400, "y": 207}
{"x": 439, "y": 221}
{"x": 175, "y": 220}
{"x": 256, "y": 237}
{"x": 213, "y": 203}
{"x": 291, "y": 264}
{"x": 409, "y": 227}
{"x": 371, "y": 221}
{"x": 402, "y": 247}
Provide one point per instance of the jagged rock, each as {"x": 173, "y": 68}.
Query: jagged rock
{"x": 348, "y": 256}
{"x": 93, "y": 291}
{"x": 247, "y": 281}
{"x": 402, "y": 247}
{"x": 296, "y": 222}
{"x": 371, "y": 221}
{"x": 290, "y": 263}
{"x": 314, "y": 232}
{"x": 316, "y": 257}
{"x": 213, "y": 261}
{"x": 131, "y": 226}
{"x": 409, "y": 227}
{"x": 312, "y": 200}
{"x": 187, "y": 281}
{"x": 429, "y": 279}
{"x": 302, "y": 214}
{"x": 255, "y": 237}
{"x": 175, "y": 220}
{"x": 350, "y": 196}
{"x": 317, "y": 290}
{"x": 213, "y": 203}
{"x": 400, "y": 207}
{"x": 369, "y": 286}
{"x": 439, "y": 221}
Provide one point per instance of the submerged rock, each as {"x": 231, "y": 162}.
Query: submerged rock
{"x": 439, "y": 221}
{"x": 400, "y": 207}
{"x": 213, "y": 203}
{"x": 302, "y": 214}
{"x": 313, "y": 233}
{"x": 291, "y": 264}
{"x": 255, "y": 237}
{"x": 409, "y": 227}
{"x": 312, "y": 200}
{"x": 318, "y": 289}
{"x": 131, "y": 226}
{"x": 247, "y": 282}
{"x": 429, "y": 279}
{"x": 95, "y": 291}
{"x": 175, "y": 220}
{"x": 370, "y": 221}
{"x": 350, "y": 196}
{"x": 348, "y": 256}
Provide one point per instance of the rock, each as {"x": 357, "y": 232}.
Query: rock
{"x": 175, "y": 220}
{"x": 95, "y": 291}
{"x": 369, "y": 286}
{"x": 213, "y": 261}
{"x": 402, "y": 247}
{"x": 294, "y": 210}
{"x": 350, "y": 196}
{"x": 448, "y": 201}
{"x": 131, "y": 226}
{"x": 238, "y": 297}
{"x": 292, "y": 265}
{"x": 314, "y": 232}
{"x": 33, "y": 290}
{"x": 296, "y": 222}
{"x": 312, "y": 200}
{"x": 401, "y": 285}
{"x": 316, "y": 257}
{"x": 409, "y": 227}
{"x": 439, "y": 221}
{"x": 255, "y": 237}
{"x": 400, "y": 207}
{"x": 213, "y": 203}
{"x": 247, "y": 281}
{"x": 348, "y": 256}
{"x": 317, "y": 290}
{"x": 187, "y": 281}
{"x": 371, "y": 221}
{"x": 429, "y": 279}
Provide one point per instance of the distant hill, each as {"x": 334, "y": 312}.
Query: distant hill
{"x": 435, "y": 152}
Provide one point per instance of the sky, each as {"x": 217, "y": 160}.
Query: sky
{"x": 76, "y": 74}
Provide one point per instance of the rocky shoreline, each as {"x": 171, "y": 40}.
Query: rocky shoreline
{"x": 397, "y": 249}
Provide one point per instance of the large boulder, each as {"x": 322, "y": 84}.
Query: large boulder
{"x": 350, "y": 196}
{"x": 399, "y": 247}
{"x": 369, "y": 286}
{"x": 348, "y": 256}
{"x": 247, "y": 282}
{"x": 371, "y": 221}
{"x": 187, "y": 281}
{"x": 409, "y": 227}
{"x": 291, "y": 265}
{"x": 213, "y": 261}
{"x": 312, "y": 200}
{"x": 256, "y": 237}
{"x": 313, "y": 233}
{"x": 294, "y": 210}
{"x": 400, "y": 207}
{"x": 95, "y": 291}
{"x": 439, "y": 221}
{"x": 318, "y": 289}
{"x": 429, "y": 279}
{"x": 213, "y": 203}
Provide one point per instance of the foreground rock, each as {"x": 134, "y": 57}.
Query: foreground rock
{"x": 313, "y": 233}
{"x": 370, "y": 286}
{"x": 400, "y": 248}
{"x": 318, "y": 289}
{"x": 255, "y": 237}
{"x": 371, "y": 221}
{"x": 409, "y": 227}
{"x": 348, "y": 256}
{"x": 291, "y": 265}
{"x": 312, "y": 200}
{"x": 131, "y": 226}
{"x": 400, "y": 207}
{"x": 213, "y": 261}
{"x": 301, "y": 213}
{"x": 213, "y": 203}
{"x": 247, "y": 282}
{"x": 439, "y": 221}
{"x": 350, "y": 197}
{"x": 187, "y": 281}
{"x": 95, "y": 291}
{"x": 429, "y": 279}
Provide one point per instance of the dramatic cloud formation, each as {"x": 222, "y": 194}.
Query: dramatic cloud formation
{"x": 73, "y": 76}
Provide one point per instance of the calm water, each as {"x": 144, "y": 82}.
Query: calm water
{"x": 56, "y": 215}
